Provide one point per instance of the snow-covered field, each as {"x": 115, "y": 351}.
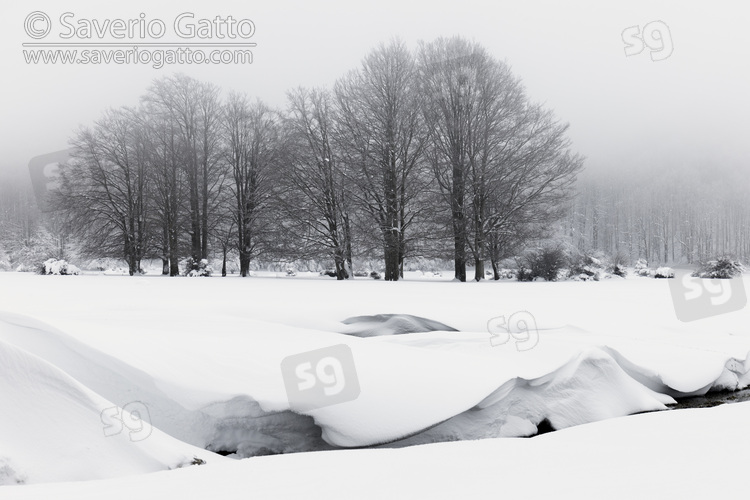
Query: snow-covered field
{"x": 109, "y": 383}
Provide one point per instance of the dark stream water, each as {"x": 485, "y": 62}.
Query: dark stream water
{"x": 713, "y": 399}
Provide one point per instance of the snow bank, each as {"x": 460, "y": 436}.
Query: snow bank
{"x": 241, "y": 405}
{"x": 56, "y": 429}
{"x": 211, "y": 419}
{"x": 215, "y": 380}
{"x": 686, "y": 454}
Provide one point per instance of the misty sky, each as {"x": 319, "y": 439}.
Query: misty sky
{"x": 624, "y": 112}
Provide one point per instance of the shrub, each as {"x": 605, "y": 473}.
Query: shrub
{"x": 587, "y": 267}
{"x": 58, "y": 267}
{"x": 506, "y": 274}
{"x": 619, "y": 270}
{"x": 546, "y": 263}
{"x": 375, "y": 275}
{"x": 619, "y": 265}
{"x": 723, "y": 268}
{"x": 664, "y": 272}
{"x": 641, "y": 268}
{"x": 524, "y": 274}
{"x": 201, "y": 269}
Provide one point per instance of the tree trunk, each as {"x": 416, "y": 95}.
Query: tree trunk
{"x": 459, "y": 222}
{"x": 478, "y": 269}
{"x": 132, "y": 265}
{"x": 204, "y": 214}
{"x": 174, "y": 259}
{"x": 495, "y": 269}
{"x": 348, "y": 246}
{"x": 391, "y": 252}
{"x": 459, "y": 246}
{"x": 339, "y": 265}
{"x": 245, "y": 242}
{"x": 195, "y": 225}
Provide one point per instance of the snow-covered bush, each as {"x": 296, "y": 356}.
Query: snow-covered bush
{"x": 543, "y": 263}
{"x": 524, "y": 274}
{"x": 619, "y": 270}
{"x": 641, "y": 268}
{"x": 586, "y": 268}
{"x": 723, "y": 268}
{"x": 618, "y": 265}
{"x": 375, "y": 275}
{"x": 58, "y": 267}
{"x": 664, "y": 272}
{"x": 193, "y": 270}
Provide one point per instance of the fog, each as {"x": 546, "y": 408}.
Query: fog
{"x": 682, "y": 100}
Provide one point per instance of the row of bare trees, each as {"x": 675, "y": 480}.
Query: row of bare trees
{"x": 408, "y": 152}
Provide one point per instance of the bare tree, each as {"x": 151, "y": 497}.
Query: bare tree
{"x": 103, "y": 188}
{"x": 195, "y": 109}
{"x": 530, "y": 187}
{"x": 499, "y": 161}
{"x": 446, "y": 69}
{"x": 315, "y": 201}
{"x": 251, "y": 150}
{"x": 383, "y": 139}
{"x": 166, "y": 177}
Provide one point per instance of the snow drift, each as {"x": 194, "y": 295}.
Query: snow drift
{"x": 55, "y": 429}
{"x": 212, "y": 379}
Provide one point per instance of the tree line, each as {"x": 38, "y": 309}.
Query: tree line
{"x": 433, "y": 152}
{"x": 686, "y": 213}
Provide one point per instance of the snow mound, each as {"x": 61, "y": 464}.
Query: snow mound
{"x": 652, "y": 455}
{"x": 589, "y": 388}
{"x": 664, "y": 272}
{"x": 392, "y": 324}
{"x": 55, "y": 429}
{"x": 239, "y": 405}
{"x": 233, "y": 422}
{"x": 223, "y": 388}
{"x": 59, "y": 267}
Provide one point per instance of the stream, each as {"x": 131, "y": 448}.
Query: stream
{"x": 712, "y": 399}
